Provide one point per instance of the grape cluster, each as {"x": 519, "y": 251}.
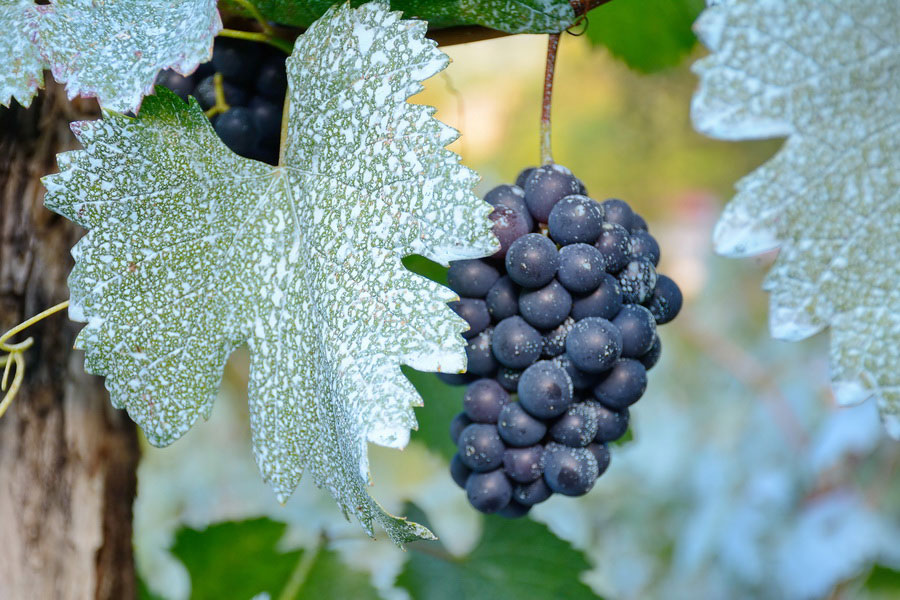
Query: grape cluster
{"x": 253, "y": 84}
{"x": 562, "y": 330}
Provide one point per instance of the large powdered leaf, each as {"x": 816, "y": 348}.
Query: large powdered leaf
{"x": 21, "y": 67}
{"x": 193, "y": 250}
{"x": 825, "y": 73}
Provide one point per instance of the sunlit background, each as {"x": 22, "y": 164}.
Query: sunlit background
{"x": 741, "y": 480}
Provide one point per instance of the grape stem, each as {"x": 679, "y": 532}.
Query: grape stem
{"x": 255, "y": 12}
{"x": 256, "y": 36}
{"x": 552, "y": 47}
{"x": 221, "y": 104}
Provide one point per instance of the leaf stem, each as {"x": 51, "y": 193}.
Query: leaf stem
{"x": 552, "y": 47}
{"x": 255, "y": 36}
{"x": 301, "y": 571}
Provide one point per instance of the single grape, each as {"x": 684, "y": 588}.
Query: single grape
{"x": 236, "y": 60}
{"x": 523, "y": 464}
{"x": 488, "y": 492}
{"x": 577, "y": 427}
{"x": 483, "y": 401}
{"x": 546, "y": 307}
{"x": 512, "y": 196}
{"x": 555, "y": 341}
{"x": 509, "y": 378}
{"x": 509, "y": 225}
{"x": 594, "y": 344}
{"x": 475, "y": 312}
{"x": 458, "y": 471}
{"x": 601, "y": 454}
{"x": 271, "y": 79}
{"x": 637, "y": 280}
{"x": 532, "y": 260}
{"x": 471, "y": 278}
{"x": 643, "y": 245}
{"x": 455, "y": 378}
{"x": 650, "y": 359}
{"x": 267, "y": 118}
{"x": 459, "y": 422}
{"x": 618, "y": 212}
{"x": 638, "y": 223}
{"x": 516, "y": 344}
{"x": 480, "y": 447}
{"x": 638, "y": 329}
{"x": 613, "y": 245}
{"x": 181, "y": 85}
{"x": 611, "y": 424}
{"x": 575, "y": 219}
{"x": 665, "y": 301}
{"x": 545, "y": 390}
{"x": 517, "y": 428}
{"x": 513, "y": 510}
{"x": 623, "y": 386}
{"x": 529, "y": 494}
{"x": 502, "y": 299}
{"x": 206, "y": 93}
{"x": 569, "y": 471}
{"x": 479, "y": 357}
{"x": 548, "y": 185}
{"x": 581, "y": 268}
{"x": 581, "y": 380}
{"x": 236, "y": 130}
{"x": 523, "y": 176}
{"x": 604, "y": 302}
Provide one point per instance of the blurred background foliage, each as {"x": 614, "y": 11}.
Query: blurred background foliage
{"x": 741, "y": 479}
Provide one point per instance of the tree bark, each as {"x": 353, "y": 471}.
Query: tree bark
{"x": 67, "y": 459}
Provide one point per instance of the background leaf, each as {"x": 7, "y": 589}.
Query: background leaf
{"x": 21, "y": 66}
{"x": 648, "y": 35}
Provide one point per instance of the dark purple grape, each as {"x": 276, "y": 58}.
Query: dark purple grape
{"x": 516, "y": 344}
{"x": 181, "y": 85}
{"x": 569, "y": 471}
{"x": 488, "y": 492}
{"x": 235, "y": 128}
{"x": 271, "y": 79}
{"x": 529, "y": 494}
{"x": 517, "y": 428}
{"x": 581, "y": 268}
{"x": 638, "y": 223}
{"x": 577, "y": 427}
{"x": 594, "y": 344}
{"x": 509, "y": 225}
{"x": 601, "y": 454}
{"x": 555, "y": 341}
{"x": 509, "y": 378}
{"x": 523, "y": 176}
{"x": 637, "y": 280}
{"x": 502, "y": 299}
{"x": 459, "y": 422}
{"x": 618, "y": 212}
{"x": 455, "y": 378}
{"x": 471, "y": 278}
{"x": 546, "y": 307}
{"x": 623, "y": 386}
{"x": 511, "y": 196}
{"x": 458, "y": 471}
{"x": 523, "y": 464}
{"x": 665, "y": 302}
{"x": 638, "y": 329}
{"x": 532, "y": 261}
{"x": 575, "y": 219}
{"x": 476, "y": 314}
{"x": 650, "y": 359}
{"x": 480, "y": 359}
{"x": 611, "y": 424}
{"x": 643, "y": 245}
{"x": 613, "y": 246}
{"x": 480, "y": 447}
{"x": 604, "y": 302}
{"x": 267, "y": 118}
{"x": 236, "y": 60}
{"x": 581, "y": 380}
{"x": 483, "y": 401}
{"x": 548, "y": 185}
{"x": 513, "y": 510}
{"x": 206, "y": 93}
{"x": 545, "y": 390}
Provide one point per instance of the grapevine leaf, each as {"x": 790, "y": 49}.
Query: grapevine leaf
{"x": 511, "y": 16}
{"x": 648, "y": 35}
{"x": 114, "y": 50}
{"x": 193, "y": 251}
{"x": 513, "y": 560}
{"x": 824, "y": 74}
{"x": 22, "y": 74}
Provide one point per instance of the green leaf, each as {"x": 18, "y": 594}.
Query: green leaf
{"x": 21, "y": 66}
{"x": 193, "y": 250}
{"x": 515, "y": 559}
{"x": 240, "y": 560}
{"x": 511, "y": 16}
{"x": 648, "y": 35}
{"x": 823, "y": 73}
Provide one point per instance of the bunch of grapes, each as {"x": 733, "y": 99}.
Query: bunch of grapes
{"x": 562, "y": 330}
{"x": 253, "y": 83}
